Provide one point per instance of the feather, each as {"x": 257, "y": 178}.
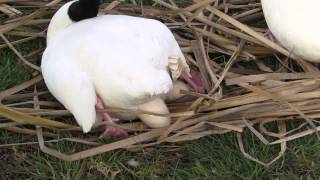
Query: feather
{"x": 122, "y": 59}
{"x": 72, "y": 88}
{"x": 294, "y": 24}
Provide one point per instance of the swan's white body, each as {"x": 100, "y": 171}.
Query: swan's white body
{"x": 122, "y": 59}
{"x": 295, "y": 25}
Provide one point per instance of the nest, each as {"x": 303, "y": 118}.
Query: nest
{"x": 252, "y": 81}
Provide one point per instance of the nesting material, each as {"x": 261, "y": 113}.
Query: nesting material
{"x": 251, "y": 81}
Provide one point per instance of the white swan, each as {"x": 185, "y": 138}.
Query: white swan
{"x": 125, "y": 61}
{"x": 294, "y": 23}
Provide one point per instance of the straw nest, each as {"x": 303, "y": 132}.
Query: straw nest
{"x": 253, "y": 82}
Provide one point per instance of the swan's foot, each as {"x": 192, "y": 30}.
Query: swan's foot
{"x": 180, "y": 68}
{"x": 111, "y": 129}
{"x": 194, "y": 82}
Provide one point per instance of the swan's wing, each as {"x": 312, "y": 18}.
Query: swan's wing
{"x": 72, "y": 88}
{"x": 150, "y": 39}
{"x": 125, "y": 69}
{"x": 122, "y": 84}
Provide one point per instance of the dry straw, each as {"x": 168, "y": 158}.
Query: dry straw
{"x": 251, "y": 80}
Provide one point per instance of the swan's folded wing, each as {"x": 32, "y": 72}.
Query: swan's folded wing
{"x": 126, "y": 85}
{"x": 73, "y": 89}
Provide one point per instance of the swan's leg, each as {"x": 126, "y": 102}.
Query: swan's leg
{"x": 194, "y": 82}
{"x": 179, "y": 68}
{"x": 111, "y": 130}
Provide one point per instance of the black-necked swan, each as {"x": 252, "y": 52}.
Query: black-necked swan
{"x": 111, "y": 60}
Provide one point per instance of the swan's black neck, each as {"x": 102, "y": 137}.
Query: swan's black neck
{"x": 83, "y": 9}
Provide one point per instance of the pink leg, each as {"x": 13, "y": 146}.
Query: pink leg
{"x": 111, "y": 130}
{"x": 197, "y": 78}
{"x": 195, "y": 82}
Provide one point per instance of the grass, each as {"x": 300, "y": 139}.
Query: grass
{"x": 11, "y": 71}
{"x": 214, "y": 157}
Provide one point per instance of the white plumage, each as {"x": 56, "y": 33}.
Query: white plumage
{"x": 122, "y": 59}
{"x": 295, "y": 25}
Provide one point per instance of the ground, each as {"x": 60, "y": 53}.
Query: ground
{"x": 214, "y": 157}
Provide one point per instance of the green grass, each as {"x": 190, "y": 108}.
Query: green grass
{"x": 11, "y": 71}
{"x": 214, "y": 157}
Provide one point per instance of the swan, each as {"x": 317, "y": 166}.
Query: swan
{"x": 294, "y": 24}
{"x": 112, "y": 60}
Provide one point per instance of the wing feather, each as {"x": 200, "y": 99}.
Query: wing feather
{"x": 72, "y": 88}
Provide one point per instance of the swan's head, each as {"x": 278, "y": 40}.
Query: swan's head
{"x": 72, "y": 12}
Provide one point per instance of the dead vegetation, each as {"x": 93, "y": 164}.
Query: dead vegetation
{"x": 252, "y": 81}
